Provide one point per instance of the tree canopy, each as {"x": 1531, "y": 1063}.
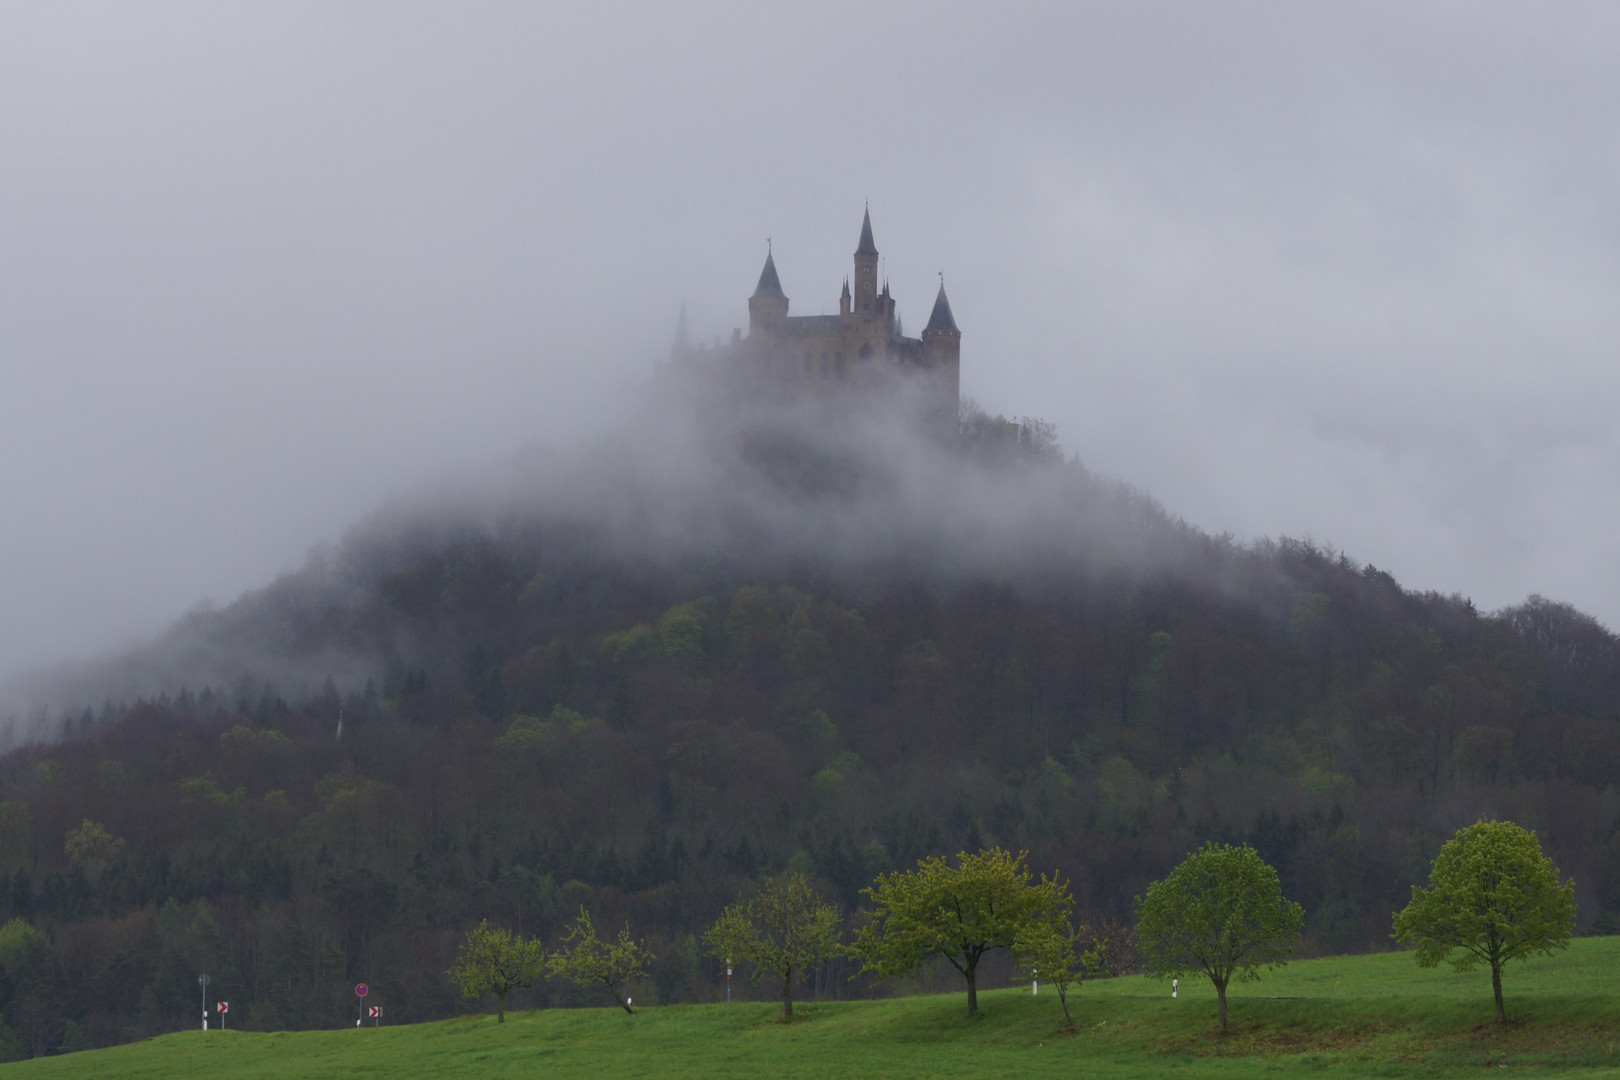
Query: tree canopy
{"x": 784, "y": 929}
{"x": 1220, "y": 912}
{"x": 960, "y": 912}
{"x": 496, "y": 961}
{"x": 585, "y": 958}
{"x": 1059, "y": 952}
{"x": 1493, "y": 897}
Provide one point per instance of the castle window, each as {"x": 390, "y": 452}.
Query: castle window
{"x": 866, "y": 351}
{"x": 838, "y": 365}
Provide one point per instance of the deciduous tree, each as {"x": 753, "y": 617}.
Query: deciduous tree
{"x": 1493, "y": 895}
{"x": 496, "y": 961}
{"x": 586, "y": 958}
{"x": 1059, "y": 952}
{"x": 1221, "y": 912}
{"x": 959, "y": 912}
{"x": 783, "y": 930}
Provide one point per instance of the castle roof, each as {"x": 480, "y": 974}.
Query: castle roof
{"x": 941, "y": 320}
{"x": 769, "y": 283}
{"x": 809, "y": 325}
{"x": 866, "y": 246}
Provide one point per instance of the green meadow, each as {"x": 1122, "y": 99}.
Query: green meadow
{"x": 1343, "y": 1016}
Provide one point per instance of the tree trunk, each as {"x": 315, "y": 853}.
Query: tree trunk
{"x": 1496, "y": 986}
{"x": 972, "y": 975}
{"x": 1220, "y": 994}
{"x": 787, "y": 995}
{"x": 500, "y": 1008}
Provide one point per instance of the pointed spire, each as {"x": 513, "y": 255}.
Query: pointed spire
{"x": 769, "y": 283}
{"x": 845, "y": 295}
{"x": 941, "y": 320}
{"x": 866, "y": 246}
{"x": 680, "y": 328}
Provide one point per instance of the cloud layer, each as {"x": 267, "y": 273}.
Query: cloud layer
{"x": 1343, "y": 272}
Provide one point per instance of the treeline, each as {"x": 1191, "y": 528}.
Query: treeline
{"x": 555, "y": 723}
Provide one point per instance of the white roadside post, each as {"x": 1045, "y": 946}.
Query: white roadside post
{"x": 203, "y": 981}
{"x": 1175, "y": 984}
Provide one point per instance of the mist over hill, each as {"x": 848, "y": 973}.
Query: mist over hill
{"x": 851, "y": 488}
{"x": 637, "y": 673}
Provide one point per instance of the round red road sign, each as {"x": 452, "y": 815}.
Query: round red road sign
{"x": 360, "y": 988}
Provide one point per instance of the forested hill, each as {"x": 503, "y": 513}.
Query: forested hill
{"x": 638, "y": 677}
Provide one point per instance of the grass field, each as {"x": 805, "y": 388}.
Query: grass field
{"x": 1342, "y": 1017}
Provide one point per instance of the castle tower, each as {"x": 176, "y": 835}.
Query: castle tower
{"x": 942, "y": 357}
{"x": 768, "y": 307}
{"x": 866, "y": 267}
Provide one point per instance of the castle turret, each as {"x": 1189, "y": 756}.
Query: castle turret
{"x": 866, "y": 267}
{"x": 682, "y": 344}
{"x": 940, "y": 337}
{"x": 942, "y": 359}
{"x": 769, "y": 304}
{"x": 843, "y": 301}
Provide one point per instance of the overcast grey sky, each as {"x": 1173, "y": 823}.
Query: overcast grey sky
{"x": 1337, "y": 271}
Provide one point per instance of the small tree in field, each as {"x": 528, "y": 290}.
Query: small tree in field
{"x": 1059, "y": 952}
{"x": 1221, "y": 912}
{"x": 959, "y": 912}
{"x": 1495, "y": 896}
{"x": 586, "y": 958}
{"x": 785, "y": 929}
{"x": 496, "y": 962}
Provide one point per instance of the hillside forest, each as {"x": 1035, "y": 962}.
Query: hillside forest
{"x": 857, "y": 653}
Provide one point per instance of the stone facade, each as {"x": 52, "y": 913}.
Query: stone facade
{"x": 859, "y": 350}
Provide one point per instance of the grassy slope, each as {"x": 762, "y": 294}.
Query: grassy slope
{"x": 1346, "y": 1016}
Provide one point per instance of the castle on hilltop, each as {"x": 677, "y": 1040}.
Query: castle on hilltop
{"x": 860, "y": 350}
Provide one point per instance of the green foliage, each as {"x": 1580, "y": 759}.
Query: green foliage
{"x": 960, "y": 912}
{"x": 1355, "y": 1018}
{"x": 92, "y": 849}
{"x": 1492, "y": 895}
{"x": 91, "y": 844}
{"x": 16, "y": 832}
{"x": 1060, "y": 953}
{"x": 1220, "y": 912}
{"x": 530, "y": 733}
{"x": 496, "y": 961}
{"x": 785, "y": 928}
{"x": 204, "y": 789}
{"x": 15, "y": 937}
{"x": 585, "y": 958}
